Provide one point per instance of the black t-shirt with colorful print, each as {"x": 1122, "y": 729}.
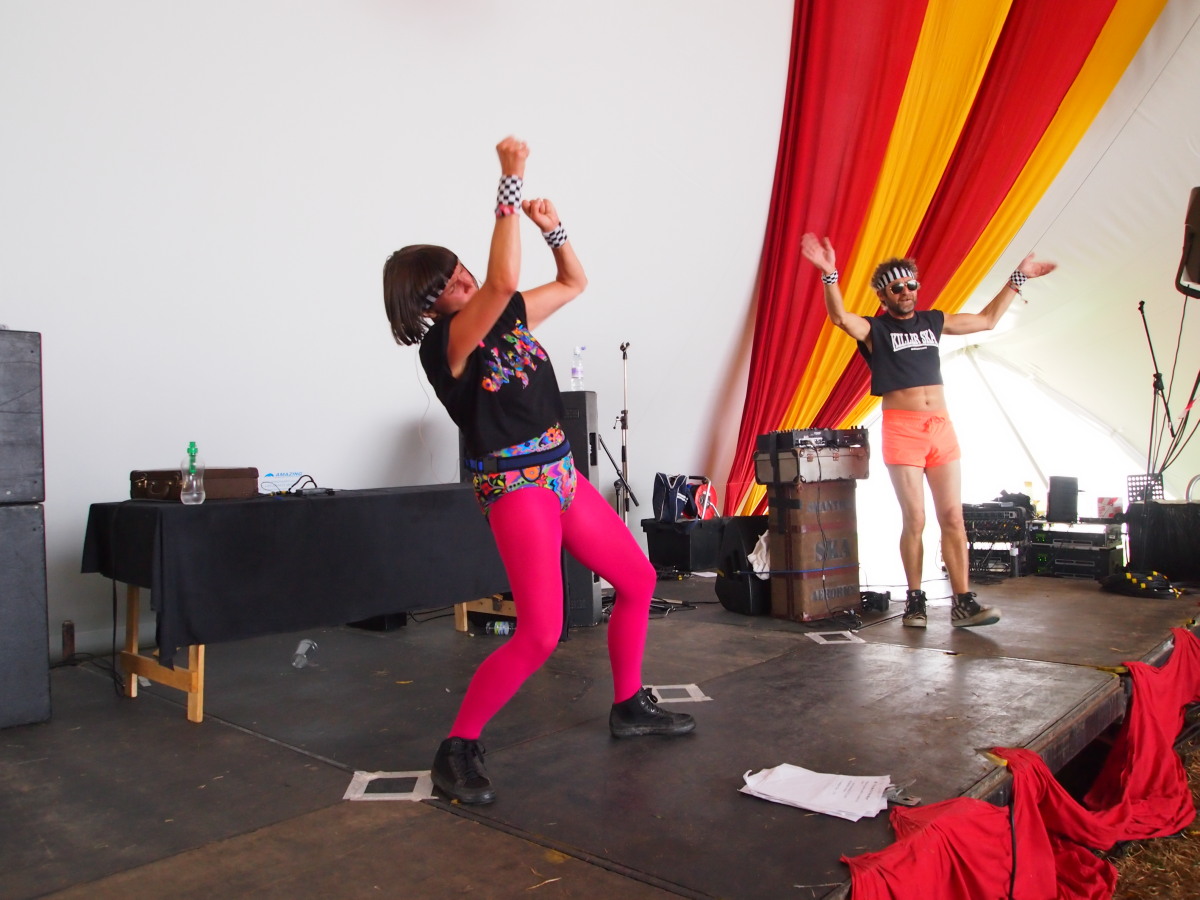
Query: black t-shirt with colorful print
{"x": 508, "y": 392}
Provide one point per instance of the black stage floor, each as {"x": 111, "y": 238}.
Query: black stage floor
{"x": 125, "y": 796}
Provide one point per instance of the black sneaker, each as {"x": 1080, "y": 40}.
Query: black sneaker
{"x": 914, "y": 610}
{"x": 966, "y": 612}
{"x": 641, "y": 714}
{"x": 459, "y": 773}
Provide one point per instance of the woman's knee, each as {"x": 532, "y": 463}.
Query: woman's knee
{"x": 535, "y": 645}
{"x": 636, "y": 579}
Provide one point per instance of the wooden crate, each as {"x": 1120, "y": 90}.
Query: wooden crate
{"x": 495, "y": 605}
{"x": 813, "y": 530}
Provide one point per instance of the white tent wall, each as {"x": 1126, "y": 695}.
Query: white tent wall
{"x": 1113, "y": 221}
{"x": 198, "y": 201}
{"x": 197, "y": 205}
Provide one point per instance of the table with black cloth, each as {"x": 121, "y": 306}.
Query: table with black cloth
{"x": 231, "y": 569}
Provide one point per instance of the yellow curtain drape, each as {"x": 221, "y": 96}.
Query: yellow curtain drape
{"x": 950, "y": 61}
{"x": 1122, "y": 35}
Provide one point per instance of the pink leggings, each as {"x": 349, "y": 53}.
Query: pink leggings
{"x": 530, "y": 531}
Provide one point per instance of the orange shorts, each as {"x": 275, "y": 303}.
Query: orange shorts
{"x": 921, "y": 439}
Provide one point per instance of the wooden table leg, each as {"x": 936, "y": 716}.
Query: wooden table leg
{"x": 132, "y": 614}
{"x": 134, "y": 664}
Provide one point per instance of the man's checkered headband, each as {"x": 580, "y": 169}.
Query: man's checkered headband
{"x": 895, "y": 273}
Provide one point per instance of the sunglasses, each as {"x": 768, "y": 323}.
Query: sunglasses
{"x": 912, "y": 284}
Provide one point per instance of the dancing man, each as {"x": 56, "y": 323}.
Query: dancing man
{"x": 900, "y": 346}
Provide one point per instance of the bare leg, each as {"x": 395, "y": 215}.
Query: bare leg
{"x": 945, "y": 483}
{"x": 909, "y": 484}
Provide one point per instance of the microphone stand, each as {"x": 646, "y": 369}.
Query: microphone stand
{"x": 624, "y": 491}
{"x": 622, "y": 486}
{"x": 1159, "y": 394}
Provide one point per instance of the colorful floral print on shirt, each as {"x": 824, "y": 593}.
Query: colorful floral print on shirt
{"x": 523, "y": 353}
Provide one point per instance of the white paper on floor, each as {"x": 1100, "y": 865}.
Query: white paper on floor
{"x": 847, "y": 796}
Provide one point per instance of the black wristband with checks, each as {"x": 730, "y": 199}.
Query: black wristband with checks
{"x": 508, "y": 195}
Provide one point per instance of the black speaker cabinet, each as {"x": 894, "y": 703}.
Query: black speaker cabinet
{"x": 584, "y": 603}
{"x": 1191, "y": 238}
{"x": 24, "y": 640}
{"x": 1062, "y": 504}
{"x": 22, "y": 478}
{"x": 738, "y": 588}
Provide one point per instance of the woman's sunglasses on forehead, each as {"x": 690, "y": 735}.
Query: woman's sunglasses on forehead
{"x": 912, "y": 284}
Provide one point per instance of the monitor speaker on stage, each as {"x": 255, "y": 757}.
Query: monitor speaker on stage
{"x": 24, "y": 638}
{"x": 1188, "y": 280}
{"x": 22, "y": 470}
{"x": 1062, "y": 504}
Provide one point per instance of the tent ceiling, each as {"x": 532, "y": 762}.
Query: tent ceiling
{"x": 1113, "y": 220}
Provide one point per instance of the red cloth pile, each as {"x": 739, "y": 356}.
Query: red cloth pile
{"x": 964, "y": 849}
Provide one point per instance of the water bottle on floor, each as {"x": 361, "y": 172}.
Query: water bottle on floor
{"x": 300, "y": 657}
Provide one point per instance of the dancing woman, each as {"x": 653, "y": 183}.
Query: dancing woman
{"x": 497, "y": 383}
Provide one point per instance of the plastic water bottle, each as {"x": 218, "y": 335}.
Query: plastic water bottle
{"x": 300, "y": 657}
{"x": 500, "y": 627}
{"x": 191, "y": 490}
{"x": 577, "y": 369}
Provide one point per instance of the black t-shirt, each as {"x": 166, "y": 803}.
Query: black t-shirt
{"x": 905, "y": 351}
{"x": 508, "y": 392}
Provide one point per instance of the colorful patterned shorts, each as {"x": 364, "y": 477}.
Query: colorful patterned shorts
{"x": 557, "y": 476}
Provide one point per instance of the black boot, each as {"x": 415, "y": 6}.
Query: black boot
{"x": 458, "y": 771}
{"x": 641, "y": 714}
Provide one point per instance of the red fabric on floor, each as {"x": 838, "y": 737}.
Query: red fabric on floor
{"x": 1143, "y": 773}
{"x": 1054, "y": 832}
{"x": 958, "y": 849}
{"x": 961, "y": 849}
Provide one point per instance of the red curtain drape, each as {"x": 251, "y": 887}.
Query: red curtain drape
{"x": 1041, "y": 50}
{"x": 845, "y": 81}
{"x": 847, "y": 77}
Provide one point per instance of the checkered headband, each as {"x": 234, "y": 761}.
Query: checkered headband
{"x": 886, "y": 277}
{"x": 435, "y": 287}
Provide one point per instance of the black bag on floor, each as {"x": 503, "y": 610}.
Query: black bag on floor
{"x": 739, "y": 589}
{"x": 670, "y": 497}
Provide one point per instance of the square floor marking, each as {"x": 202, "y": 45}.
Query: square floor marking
{"x": 835, "y": 637}
{"x": 389, "y": 786}
{"x": 678, "y": 693}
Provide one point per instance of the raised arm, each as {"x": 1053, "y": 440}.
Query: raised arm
{"x": 475, "y": 320}
{"x": 820, "y": 254}
{"x": 988, "y": 317}
{"x": 569, "y": 280}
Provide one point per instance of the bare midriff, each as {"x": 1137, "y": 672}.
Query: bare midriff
{"x": 916, "y": 399}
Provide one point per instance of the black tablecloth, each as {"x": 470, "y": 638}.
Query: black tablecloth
{"x": 232, "y": 569}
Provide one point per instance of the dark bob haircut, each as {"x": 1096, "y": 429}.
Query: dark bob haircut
{"x": 413, "y": 277}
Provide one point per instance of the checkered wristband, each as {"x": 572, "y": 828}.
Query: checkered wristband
{"x": 555, "y": 238}
{"x": 508, "y": 195}
{"x": 1017, "y": 279}
{"x": 831, "y": 278}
